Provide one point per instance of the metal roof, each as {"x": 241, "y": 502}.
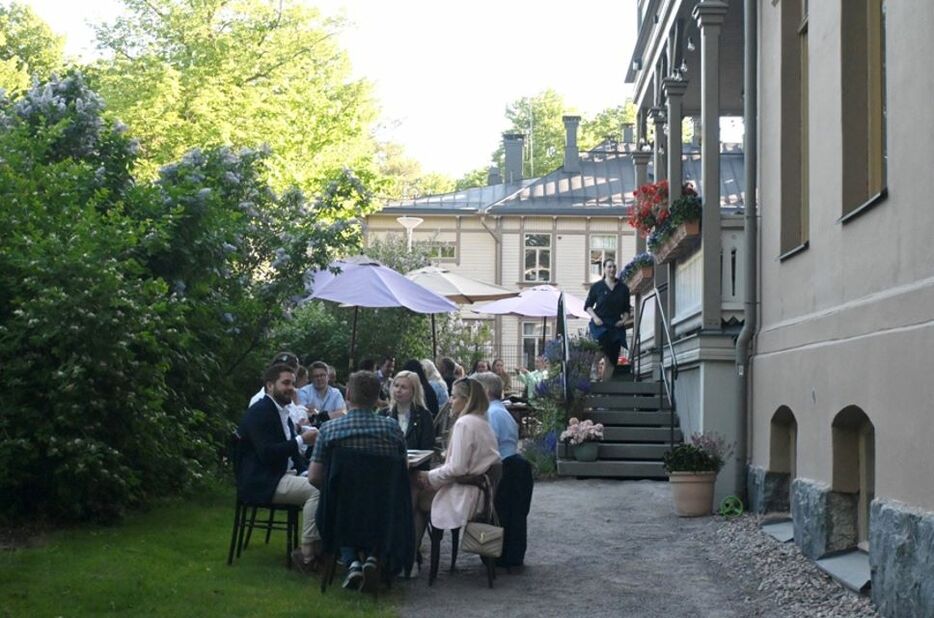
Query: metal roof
{"x": 603, "y": 186}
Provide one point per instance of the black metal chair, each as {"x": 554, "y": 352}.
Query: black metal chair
{"x": 243, "y": 528}
{"x": 487, "y": 482}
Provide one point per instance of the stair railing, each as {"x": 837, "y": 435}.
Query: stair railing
{"x": 669, "y": 387}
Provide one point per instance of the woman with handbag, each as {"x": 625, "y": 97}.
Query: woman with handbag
{"x": 471, "y": 452}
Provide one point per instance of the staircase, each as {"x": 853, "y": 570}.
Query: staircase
{"x": 636, "y": 432}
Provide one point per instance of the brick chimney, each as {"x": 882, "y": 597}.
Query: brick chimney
{"x": 572, "y": 160}
{"x": 513, "y": 146}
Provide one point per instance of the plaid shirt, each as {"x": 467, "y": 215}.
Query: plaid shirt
{"x": 360, "y": 429}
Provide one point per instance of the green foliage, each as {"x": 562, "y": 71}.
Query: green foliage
{"x": 189, "y": 75}
{"x": 169, "y": 562}
{"x": 465, "y": 340}
{"x": 690, "y": 458}
{"x": 607, "y": 124}
{"x": 473, "y": 178}
{"x": 132, "y": 313}
{"x": 404, "y": 176}
{"x": 539, "y": 118}
{"x": 28, "y": 48}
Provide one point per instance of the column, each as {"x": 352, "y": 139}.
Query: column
{"x": 674, "y": 89}
{"x": 659, "y": 166}
{"x": 640, "y": 159}
{"x": 709, "y": 15}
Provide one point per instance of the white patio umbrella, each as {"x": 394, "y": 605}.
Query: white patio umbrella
{"x": 457, "y": 288}
{"x": 540, "y": 301}
{"x": 364, "y": 282}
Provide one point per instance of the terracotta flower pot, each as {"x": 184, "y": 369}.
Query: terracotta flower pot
{"x": 692, "y": 492}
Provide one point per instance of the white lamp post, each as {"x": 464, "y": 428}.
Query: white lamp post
{"x": 409, "y": 223}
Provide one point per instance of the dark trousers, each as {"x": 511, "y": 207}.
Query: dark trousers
{"x": 513, "y": 500}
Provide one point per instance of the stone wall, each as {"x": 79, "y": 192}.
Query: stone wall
{"x": 767, "y": 492}
{"x": 901, "y": 556}
{"x": 824, "y": 520}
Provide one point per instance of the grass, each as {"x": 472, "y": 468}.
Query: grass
{"x": 170, "y": 561}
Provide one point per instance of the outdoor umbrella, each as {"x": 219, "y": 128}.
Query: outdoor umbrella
{"x": 538, "y": 302}
{"x": 364, "y": 282}
{"x": 458, "y": 288}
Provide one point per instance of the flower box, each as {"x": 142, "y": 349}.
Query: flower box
{"x": 641, "y": 280}
{"x": 683, "y": 240}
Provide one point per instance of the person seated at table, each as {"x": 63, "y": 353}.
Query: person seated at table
{"x": 513, "y": 497}
{"x": 531, "y": 378}
{"x": 297, "y": 412}
{"x": 270, "y": 455}
{"x": 283, "y": 358}
{"x": 431, "y": 399}
{"x": 362, "y": 429}
{"x": 436, "y": 382}
{"x": 387, "y": 369}
{"x": 332, "y": 381}
{"x": 479, "y": 366}
{"x": 471, "y": 452}
{"x": 323, "y": 401}
{"x": 499, "y": 368}
{"x": 407, "y": 407}
{"x": 446, "y": 367}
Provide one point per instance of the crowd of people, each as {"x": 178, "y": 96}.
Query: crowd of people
{"x": 301, "y": 417}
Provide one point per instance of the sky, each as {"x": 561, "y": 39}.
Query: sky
{"x": 445, "y": 71}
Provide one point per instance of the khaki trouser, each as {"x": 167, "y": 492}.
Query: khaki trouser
{"x": 298, "y": 491}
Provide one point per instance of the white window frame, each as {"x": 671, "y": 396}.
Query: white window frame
{"x": 596, "y": 276}
{"x": 537, "y": 251}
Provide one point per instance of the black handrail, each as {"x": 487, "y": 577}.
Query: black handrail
{"x": 637, "y": 358}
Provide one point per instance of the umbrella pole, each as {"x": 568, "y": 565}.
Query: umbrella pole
{"x": 434, "y": 340}
{"x": 544, "y": 332}
{"x": 353, "y": 339}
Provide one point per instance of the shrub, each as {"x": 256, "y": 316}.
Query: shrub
{"x": 705, "y": 453}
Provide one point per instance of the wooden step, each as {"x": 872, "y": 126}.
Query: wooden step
{"x": 622, "y": 402}
{"x": 631, "y": 417}
{"x": 639, "y": 434}
{"x": 624, "y": 388}
{"x": 623, "y": 450}
{"x": 613, "y": 469}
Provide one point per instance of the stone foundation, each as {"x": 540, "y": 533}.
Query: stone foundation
{"x": 767, "y": 492}
{"x": 901, "y": 556}
{"x": 824, "y": 520}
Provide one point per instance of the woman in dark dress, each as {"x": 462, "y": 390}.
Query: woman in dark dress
{"x": 608, "y": 306}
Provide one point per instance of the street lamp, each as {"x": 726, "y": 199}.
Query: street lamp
{"x": 409, "y": 223}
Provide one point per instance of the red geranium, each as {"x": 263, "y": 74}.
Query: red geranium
{"x": 651, "y": 199}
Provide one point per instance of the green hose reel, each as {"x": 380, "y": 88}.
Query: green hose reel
{"x": 730, "y": 507}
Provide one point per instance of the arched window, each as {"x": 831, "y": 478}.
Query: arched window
{"x": 783, "y": 446}
{"x": 854, "y": 463}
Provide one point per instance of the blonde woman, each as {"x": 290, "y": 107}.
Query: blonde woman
{"x": 407, "y": 406}
{"x": 471, "y": 452}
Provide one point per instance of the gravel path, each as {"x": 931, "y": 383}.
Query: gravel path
{"x": 615, "y": 548}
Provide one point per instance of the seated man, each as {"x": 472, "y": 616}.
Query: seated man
{"x": 361, "y": 428}
{"x": 270, "y": 456}
{"x": 514, "y": 493}
{"x": 319, "y": 397}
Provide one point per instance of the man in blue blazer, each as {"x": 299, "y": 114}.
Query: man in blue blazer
{"x": 271, "y": 458}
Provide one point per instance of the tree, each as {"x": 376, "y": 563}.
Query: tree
{"x": 606, "y": 124}
{"x": 404, "y": 176}
{"x": 242, "y": 73}
{"x": 539, "y": 118}
{"x": 28, "y": 48}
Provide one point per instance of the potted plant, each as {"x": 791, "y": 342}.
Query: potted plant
{"x": 650, "y": 206}
{"x": 583, "y": 436}
{"x": 639, "y": 273}
{"x": 678, "y": 231}
{"x": 692, "y": 470}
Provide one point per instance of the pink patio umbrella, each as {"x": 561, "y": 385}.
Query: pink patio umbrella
{"x": 364, "y": 282}
{"x": 538, "y": 302}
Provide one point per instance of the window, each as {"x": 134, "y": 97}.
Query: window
{"x": 440, "y": 250}
{"x": 537, "y": 258}
{"x": 532, "y": 342}
{"x": 863, "y": 103}
{"x": 602, "y": 247}
{"x": 795, "y": 157}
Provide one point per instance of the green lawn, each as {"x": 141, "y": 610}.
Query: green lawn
{"x": 170, "y": 561}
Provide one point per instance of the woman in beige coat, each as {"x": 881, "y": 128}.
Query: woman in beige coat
{"x": 471, "y": 452}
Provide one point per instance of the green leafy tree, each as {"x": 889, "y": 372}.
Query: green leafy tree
{"x": 135, "y": 315}
{"x": 606, "y": 124}
{"x": 539, "y": 118}
{"x": 243, "y": 73}
{"x": 28, "y": 48}
{"x": 404, "y": 176}
{"x": 473, "y": 178}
